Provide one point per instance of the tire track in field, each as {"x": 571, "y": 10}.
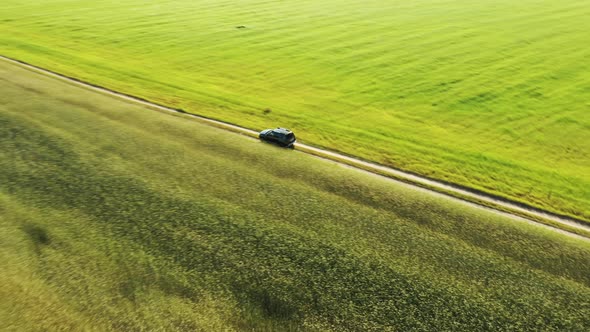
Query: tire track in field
{"x": 516, "y": 211}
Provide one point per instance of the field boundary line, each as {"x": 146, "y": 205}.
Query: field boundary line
{"x": 565, "y": 224}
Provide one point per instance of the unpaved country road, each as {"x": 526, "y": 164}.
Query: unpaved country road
{"x": 386, "y": 173}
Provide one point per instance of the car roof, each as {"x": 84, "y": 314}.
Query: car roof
{"x": 282, "y": 131}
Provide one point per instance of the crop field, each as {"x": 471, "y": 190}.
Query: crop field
{"x": 117, "y": 217}
{"x": 490, "y": 94}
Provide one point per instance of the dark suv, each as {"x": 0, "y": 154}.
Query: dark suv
{"x": 281, "y": 136}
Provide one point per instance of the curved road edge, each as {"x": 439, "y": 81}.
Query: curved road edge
{"x": 558, "y": 223}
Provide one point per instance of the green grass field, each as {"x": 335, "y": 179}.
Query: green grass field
{"x": 115, "y": 217}
{"x": 493, "y": 95}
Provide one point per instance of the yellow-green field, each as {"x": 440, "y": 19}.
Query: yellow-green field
{"x": 493, "y": 95}
{"x": 115, "y": 217}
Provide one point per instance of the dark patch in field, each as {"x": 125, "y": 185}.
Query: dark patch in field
{"x": 127, "y": 289}
{"x": 241, "y": 27}
{"x": 37, "y": 234}
{"x": 267, "y": 111}
{"x": 271, "y": 305}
